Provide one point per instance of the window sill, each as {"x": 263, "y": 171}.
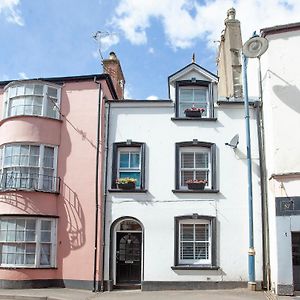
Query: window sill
{"x": 194, "y": 267}
{"x": 127, "y": 191}
{"x": 193, "y": 119}
{"x": 196, "y": 191}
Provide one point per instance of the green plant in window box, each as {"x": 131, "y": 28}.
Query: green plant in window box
{"x": 127, "y": 183}
{"x": 194, "y": 112}
{"x": 196, "y": 184}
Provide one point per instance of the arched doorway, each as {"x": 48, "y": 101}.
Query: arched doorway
{"x": 127, "y": 258}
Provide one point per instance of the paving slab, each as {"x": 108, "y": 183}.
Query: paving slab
{"x": 72, "y": 294}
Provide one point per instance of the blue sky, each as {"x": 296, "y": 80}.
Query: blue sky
{"x": 152, "y": 38}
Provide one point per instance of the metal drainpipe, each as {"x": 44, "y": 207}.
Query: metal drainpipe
{"x": 95, "y": 286}
{"x": 251, "y": 251}
{"x": 103, "y": 225}
{"x": 264, "y": 190}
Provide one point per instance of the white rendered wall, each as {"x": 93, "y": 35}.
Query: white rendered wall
{"x": 151, "y": 123}
{"x": 281, "y": 106}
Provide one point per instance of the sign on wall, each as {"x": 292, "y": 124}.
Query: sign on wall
{"x": 287, "y": 206}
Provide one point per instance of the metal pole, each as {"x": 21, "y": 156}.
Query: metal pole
{"x": 251, "y": 251}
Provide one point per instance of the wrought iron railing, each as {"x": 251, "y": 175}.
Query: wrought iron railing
{"x": 25, "y": 181}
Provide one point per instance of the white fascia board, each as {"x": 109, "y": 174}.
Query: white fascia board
{"x": 196, "y": 68}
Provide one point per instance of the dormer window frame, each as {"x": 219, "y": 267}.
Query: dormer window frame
{"x": 193, "y": 84}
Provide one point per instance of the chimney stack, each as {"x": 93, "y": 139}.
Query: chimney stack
{"x": 112, "y": 67}
{"x": 229, "y": 59}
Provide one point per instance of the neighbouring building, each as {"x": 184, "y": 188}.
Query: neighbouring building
{"x": 165, "y": 230}
{"x": 280, "y": 96}
{"x": 49, "y": 186}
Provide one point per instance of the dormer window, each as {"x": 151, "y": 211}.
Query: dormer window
{"x": 194, "y": 95}
{"x": 34, "y": 98}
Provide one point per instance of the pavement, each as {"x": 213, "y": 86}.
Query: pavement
{"x": 73, "y": 294}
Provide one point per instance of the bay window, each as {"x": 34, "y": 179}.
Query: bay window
{"x": 27, "y": 242}
{"x": 28, "y": 167}
{"x": 34, "y": 98}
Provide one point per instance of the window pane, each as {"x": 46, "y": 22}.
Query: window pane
{"x": 34, "y": 150}
{"x": 52, "y": 92}
{"x": 185, "y": 176}
{"x": 29, "y": 90}
{"x": 135, "y": 160}
{"x": 45, "y": 236}
{"x": 30, "y": 236}
{"x": 46, "y": 225}
{"x": 30, "y": 224}
{"x": 29, "y": 259}
{"x": 187, "y": 232}
{"x": 201, "y": 251}
{"x": 186, "y": 95}
{"x": 20, "y": 224}
{"x": 20, "y": 236}
{"x": 38, "y": 89}
{"x": 202, "y": 175}
{"x": 201, "y": 232}
{"x": 187, "y": 160}
{"x": 201, "y": 160}
{"x": 45, "y": 254}
{"x": 11, "y": 258}
{"x": 187, "y": 250}
{"x": 124, "y": 160}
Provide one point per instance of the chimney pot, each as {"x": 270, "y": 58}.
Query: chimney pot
{"x": 113, "y": 56}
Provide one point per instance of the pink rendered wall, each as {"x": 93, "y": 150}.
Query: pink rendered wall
{"x": 75, "y": 135}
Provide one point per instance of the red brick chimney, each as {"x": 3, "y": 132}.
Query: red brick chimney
{"x": 112, "y": 67}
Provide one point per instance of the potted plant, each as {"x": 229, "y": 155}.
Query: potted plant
{"x": 126, "y": 183}
{"x": 196, "y": 184}
{"x": 194, "y": 112}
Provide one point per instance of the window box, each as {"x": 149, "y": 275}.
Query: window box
{"x": 196, "y": 185}
{"x": 193, "y": 113}
{"x": 127, "y": 186}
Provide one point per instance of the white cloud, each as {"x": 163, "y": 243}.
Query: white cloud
{"x": 152, "y": 97}
{"x": 127, "y": 93}
{"x": 108, "y": 41}
{"x": 185, "y": 21}
{"x": 9, "y": 9}
{"x": 151, "y": 50}
{"x": 23, "y": 75}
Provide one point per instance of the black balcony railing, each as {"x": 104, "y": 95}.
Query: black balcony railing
{"x": 25, "y": 181}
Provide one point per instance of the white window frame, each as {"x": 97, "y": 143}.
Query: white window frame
{"x": 209, "y": 242}
{"x": 44, "y": 96}
{"x": 37, "y": 242}
{"x": 129, "y": 170}
{"x": 40, "y": 166}
{"x": 196, "y": 149}
{"x": 193, "y": 103}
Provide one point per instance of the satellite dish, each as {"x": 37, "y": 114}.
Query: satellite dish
{"x": 234, "y": 142}
{"x": 255, "y": 47}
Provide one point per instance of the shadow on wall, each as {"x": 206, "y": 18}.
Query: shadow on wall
{"x": 287, "y": 93}
{"x": 73, "y": 216}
